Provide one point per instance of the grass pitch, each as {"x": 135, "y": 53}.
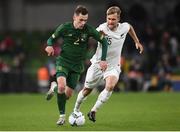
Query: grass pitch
{"x": 123, "y": 112}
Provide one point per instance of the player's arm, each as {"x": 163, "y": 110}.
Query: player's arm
{"x": 49, "y": 48}
{"x": 133, "y": 35}
{"x": 103, "y": 63}
{"x": 100, "y": 37}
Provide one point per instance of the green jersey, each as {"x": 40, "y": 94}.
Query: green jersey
{"x": 75, "y": 43}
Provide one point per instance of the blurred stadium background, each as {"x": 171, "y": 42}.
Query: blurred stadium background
{"x": 25, "y": 25}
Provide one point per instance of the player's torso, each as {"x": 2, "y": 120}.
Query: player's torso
{"x": 74, "y": 43}
{"x": 77, "y": 38}
{"x": 74, "y": 47}
{"x": 116, "y": 40}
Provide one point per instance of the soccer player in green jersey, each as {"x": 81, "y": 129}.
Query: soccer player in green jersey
{"x": 70, "y": 62}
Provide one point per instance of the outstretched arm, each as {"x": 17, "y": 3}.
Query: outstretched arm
{"x": 133, "y": 35}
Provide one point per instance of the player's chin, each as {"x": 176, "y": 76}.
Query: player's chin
{"x": 111, "y": 26}
{"x": 81, "y": 27}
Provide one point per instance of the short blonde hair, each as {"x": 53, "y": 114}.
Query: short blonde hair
{"x": 113, "y": 10}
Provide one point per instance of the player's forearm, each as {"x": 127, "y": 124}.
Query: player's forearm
{"x": 104, "y": 49}
{"x": 50, "y": 41}
{"x": 53, "y": 38}
{"x": 133, "y": 35}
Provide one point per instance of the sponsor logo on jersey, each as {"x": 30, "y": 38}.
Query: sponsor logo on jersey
{"x": 70, "y": 35}
{"x": 83, "y": 37}
{"x": 122, "y": 35}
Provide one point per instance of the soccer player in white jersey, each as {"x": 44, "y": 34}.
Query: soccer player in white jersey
{"x": 116, "y": 33}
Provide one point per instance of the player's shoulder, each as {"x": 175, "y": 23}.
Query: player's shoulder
{"x": 67, "y": 24}
{"x": 64, "y": 25}
{"x": 124, "y": 25}
{"x": 101, "y": 27}
{"x": 88, "y": 26}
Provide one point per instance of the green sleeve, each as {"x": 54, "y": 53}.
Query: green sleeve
{"x": 104, "y": 48}
{"x": 58, "y": 32}
{"x": 99, "y": 37}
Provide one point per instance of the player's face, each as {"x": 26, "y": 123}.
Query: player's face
{"x": 80, "y": 20}
{"x": 112, "y": 21}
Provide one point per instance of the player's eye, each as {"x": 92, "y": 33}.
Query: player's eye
{"x": 83, "y": 20}
{"x": 111, "y": 19}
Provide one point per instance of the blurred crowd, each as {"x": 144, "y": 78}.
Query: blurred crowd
{"x": 25, "y": 67}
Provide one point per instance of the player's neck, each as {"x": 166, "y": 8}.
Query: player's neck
{"x": 76, "y": 26}
{"x": 114, "y": 28}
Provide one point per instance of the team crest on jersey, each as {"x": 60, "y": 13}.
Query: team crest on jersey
{"x": 70, "y": 35}
{"x": 83, "y": 37}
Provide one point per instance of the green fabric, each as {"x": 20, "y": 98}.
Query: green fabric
{"x": 76, "y": 67}
{"x": 61, "y": 101}
{"x": 73, "y": 79}
{"x": 50, "y": 41}
{"x": 104, "y": 49}
{"x": 75, "y": 41}
{"x": 56, "y": 90}
{"x": 61, "y": 71}
{"x": 71, "y": 76}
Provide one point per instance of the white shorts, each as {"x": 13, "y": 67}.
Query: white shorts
{"x": 94, "y": 74}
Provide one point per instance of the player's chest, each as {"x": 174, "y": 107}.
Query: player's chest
{"x": 81, "y": 36}
{"x": 115, "y": 37}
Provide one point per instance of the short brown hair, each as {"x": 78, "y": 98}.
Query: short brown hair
{"x": 80, "y": 9}
{"x": 113, "y": 10}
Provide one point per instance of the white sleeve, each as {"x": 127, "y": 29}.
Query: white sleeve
{"x": 98, "y": 28}
{"x": 126, "y": 26}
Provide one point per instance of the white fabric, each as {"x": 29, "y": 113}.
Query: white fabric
{"x": 94, "y": 74}
{"x": 80, "y": 99}
{"x": 116, "y": 40}
{"x": 102, "y": 98}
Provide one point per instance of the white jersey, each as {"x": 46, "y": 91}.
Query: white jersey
{"x": 116, "y": 40}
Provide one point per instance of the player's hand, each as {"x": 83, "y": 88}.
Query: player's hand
{"x": 140, "y": 47}
{"x": 49, "y": 50}
{"x": 103, "y": 65}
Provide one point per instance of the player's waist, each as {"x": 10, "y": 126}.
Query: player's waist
{"x": 69, "y": 61}
{"x": 74, "y": 66}
{"x": 70, "y": 58}
{"x": 110, "y": 61}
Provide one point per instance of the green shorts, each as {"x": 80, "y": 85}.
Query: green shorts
{"x": 72, "y": 77}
